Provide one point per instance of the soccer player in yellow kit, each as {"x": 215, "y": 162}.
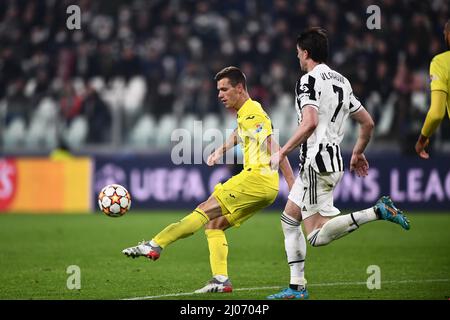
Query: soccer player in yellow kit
{"x": 236, "y": 200}
{"x": 440, "y": 95}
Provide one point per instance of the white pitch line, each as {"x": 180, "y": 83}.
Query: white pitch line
{"x": 330, "y": 284}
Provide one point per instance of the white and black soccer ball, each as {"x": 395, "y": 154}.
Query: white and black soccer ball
{"x": 114, "y": 200}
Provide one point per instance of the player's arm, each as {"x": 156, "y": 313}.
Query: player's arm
{"x": 310, "y": 120}
{"x": 219, "y": 152}
{"x": 432, "y": 121}
{"x": 358, "y": 162}
{"x": 285, "y": 167}
{"x": 439, "y": 91}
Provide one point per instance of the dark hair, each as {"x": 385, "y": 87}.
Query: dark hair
{"x": 235, "y": 75}
{"x": 315, "y": 41}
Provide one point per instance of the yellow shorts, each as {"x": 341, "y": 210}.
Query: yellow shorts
{"x": 244, "y": 194}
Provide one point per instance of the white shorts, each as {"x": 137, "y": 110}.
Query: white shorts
{"x": 313, "y": 192}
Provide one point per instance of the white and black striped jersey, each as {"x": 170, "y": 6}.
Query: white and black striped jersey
{"x": 331, "y": 94}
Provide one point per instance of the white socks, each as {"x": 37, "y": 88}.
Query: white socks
{"x": 221, "y": 278}
{"x": 340, "y": 226}
{"x": 295, "y": 246}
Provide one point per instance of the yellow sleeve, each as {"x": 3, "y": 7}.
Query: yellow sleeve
{"x": 436, "y": 112}
{"x": 258, "y": 127}
{"x": 438, "y": 74}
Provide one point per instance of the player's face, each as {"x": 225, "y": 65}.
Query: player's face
{"x": 228, "y": 94}
{"x": 301, "y": 55}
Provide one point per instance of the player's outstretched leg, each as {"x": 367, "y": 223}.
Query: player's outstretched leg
{"x": 210, "y": 209}
{"x": 386, "y": 210}
{"x": 342, "y": 225}
{"x": 144, "y": 248}
{"x": 181, "y": 229}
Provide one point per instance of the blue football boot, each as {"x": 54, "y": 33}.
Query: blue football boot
{"x": 386, "y": 210}
{"x": 290, "y": 294}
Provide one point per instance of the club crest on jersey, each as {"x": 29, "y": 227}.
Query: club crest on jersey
{"x": 259, "y": 128}
{"x": 433, "y": 77}
{"x": 304, "y": 88}
{"x": 305, "y": 92}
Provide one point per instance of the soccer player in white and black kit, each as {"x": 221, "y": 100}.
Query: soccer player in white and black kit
{"x": 324, "y": 101}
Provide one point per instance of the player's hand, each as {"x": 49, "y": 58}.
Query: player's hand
{"x": 421, "y": 144}
{"x": 213, "y": 158}
{"x": 359, "y": 164}
{"x": 275, "y": 160}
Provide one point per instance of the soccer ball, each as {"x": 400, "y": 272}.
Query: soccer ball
{"x": 114, "y": 200}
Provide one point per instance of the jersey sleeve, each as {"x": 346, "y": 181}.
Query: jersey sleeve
{"x": 308, "y": 91}
{"x": 355, "y": 104}
{"x": 438, "y": 75}
{"x": 257, "y": 127}
{"x": 435, "y": 114}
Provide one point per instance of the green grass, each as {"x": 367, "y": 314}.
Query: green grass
{"x": 35, "y": 252}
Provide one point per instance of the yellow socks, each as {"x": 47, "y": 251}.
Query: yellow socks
{"x": 182, "y": 229}
{"x": 218, "y": 251}
{"x": 217, "y": 242}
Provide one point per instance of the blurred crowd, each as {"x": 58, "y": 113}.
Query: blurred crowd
{"x": 135, "y": 64}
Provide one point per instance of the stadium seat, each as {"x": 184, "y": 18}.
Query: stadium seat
{"x": 211, "y": 121}
{"x": 30, "y": 87}
{"x": 47, "y": 110}
{"x": 165, "y": 127}
{"x": 284, "y": 117}
{"x": 386, "y": 109}
{"x": 98, "y": 83}
{"x": 211, "y": 124}
{"x": 51, "y": 137}
{"x": 285, "y": 104}
{"x": 75, "y": 134}
{"x": 384, "y": 125}
{"x": 144, "y": 132}
{"x": 279, "y": 123}
{"x": 41, "y": 136}
{"x": 188, "y": 121}
{"x": 291, "y": 126}
{"x": 42, "y": 129}
{"x": 14, "y": 134}
{"x": 229, "y": 123}
{"x": 350, "y": 135}
{"x": 79, "y": 86}
{"x": 134, "y": 95}
{"x": 113, "y": 93}
{"x": 36, "y": 133}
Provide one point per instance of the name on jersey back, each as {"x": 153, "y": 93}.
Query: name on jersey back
{"x": 332, "y": 75}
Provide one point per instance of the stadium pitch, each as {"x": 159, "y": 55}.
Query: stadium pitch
{"x": 40, "y": 256}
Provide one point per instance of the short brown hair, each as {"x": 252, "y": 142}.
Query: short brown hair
{"x": 235, "y": 75}
{"x": 315, "y": 41}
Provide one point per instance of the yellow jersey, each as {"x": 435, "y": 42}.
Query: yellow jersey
{"x": 440, "y": 81}
{"x": 254, "y": 126}
{"x": 440, "y": 73}
{"x": 255, "y": 187}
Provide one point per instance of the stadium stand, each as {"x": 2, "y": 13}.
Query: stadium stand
{"x": 152, "y": 63}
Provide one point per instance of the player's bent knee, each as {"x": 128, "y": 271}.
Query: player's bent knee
{"x": 316, "y": 239}
{"x": 220, "y": 223}
{"x": 293, "y": 210}
{"x": 211, "y": 208}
